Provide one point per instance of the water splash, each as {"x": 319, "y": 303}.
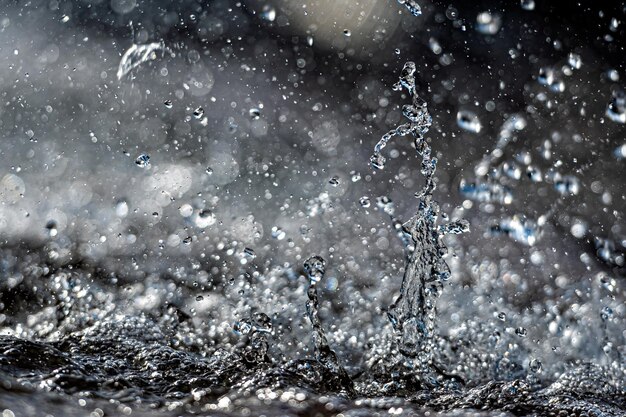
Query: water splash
{"x": 137, "y": 55}
{"x": 413, "y": 313}
{"x": 315, "y": 268}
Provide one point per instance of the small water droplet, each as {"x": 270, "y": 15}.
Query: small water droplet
{"x": 254, "y": 113}
{"x": 334, "y": 181}
{"x": 315, "y": 268}
{"x": 364, "y": 201}
{"x": 168, "y": 103}
{"x": 521, "y": 332}
{"x": 143, "y": 160}
{"x": 198, "y": 113}
{"x": 468, "y": 121}
{"x": 347, "y": 33}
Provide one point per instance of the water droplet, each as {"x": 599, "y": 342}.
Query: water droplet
{"x": 268, "y": 13}
{"x": 377, "y": 161}
{"x": 364, "y": 201}
{"x": 334, "y": 181}
{"x": 249, "y": 253}
{"x": 355, "y": 176}
{"x": 469, "y": 121}
{"x": 209, "y": 171}
{"x": 488, "y": 23}
{"x": 309, "y": 40}
{"x": 568, "y": 185}
{"x": 187, "y": 240}
{"x": 199, "y": 298}
{"x": 254, "y": 113}
{"x": 204, "y": 218}
{"x": 278, "y": 233}
{"x": 606, "y": 313}
{"x": 386, "y": 205}
{"x": 198, "y": 113}
{"x": 616, "y": 110}
{"x": 502, "y": 316}
{"x": 315, "y": 268}
{"x": 521, "y": 332}
{"x": 347, "y": 33}
{"x": 51, "y": 226}
{"x": 412, "y": 6}
{"x": 143, "y": 160}
{"x": 535, "y": 365}
{"x": 620, "y": 152}
{"x": 527, "y": 4}
{"x": 168, "y": 103}
{"x": 574, "y": 60}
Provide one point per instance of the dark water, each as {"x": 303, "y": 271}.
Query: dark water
{"x": 192, "y": 221}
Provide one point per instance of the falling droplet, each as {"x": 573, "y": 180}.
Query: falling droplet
{"x": 468, "y": 121}
{"x": 198, "y": 113}
{"x": 143, "y": 160}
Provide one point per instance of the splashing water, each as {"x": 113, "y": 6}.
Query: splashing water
{"x": 413, "y": 314}
{"x": 137, "y": 55}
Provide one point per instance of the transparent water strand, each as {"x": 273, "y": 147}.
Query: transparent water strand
{"x": 315, "y": 268}
{"x": 413, "y": 314}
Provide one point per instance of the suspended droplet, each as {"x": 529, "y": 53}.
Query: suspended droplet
{"x": 364, "y": 202}
{"x": 198, "y": 113}
{"x": 528, "y": 4}
{"x": 204, "y": 218}
{"x": 315, "y": 268}
{"x": 268, "y": 13}
{"x": 488, "y": 23}
{"x": 334, "y": 181}
{"x": 469, "y": 121}
{"x": 143, "y": 160}
{"x": 254, "y": 113}
{"x": 168, "y": 103}
{"x": 412, "y": 6}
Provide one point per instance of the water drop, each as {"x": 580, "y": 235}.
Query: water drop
{"x": 616, "y": 110}
{"x": 535, "y": 365}
{"x": 268, "y": 13}
{"x": 249, "y": 253}
{"x": 568, "y": 185}
{"x": 502, "y": 316}
{"x": 364, "y": 202}
{"x": 412, "y": 6}
{"x": 198, "y": 113}
{"x": 315, "y": 268}
{"x": 347, "y": 33}
{"x": 51, "y": 226}
{"x": 574, "y": 60}
{"x": 204, "y": 218}
{"x": 527, "y": 4}
{"x": 278, "y": 233}
{"x": 488, "y": 23}
{"x": 468, "y": 121}
{"x": 143, "y": 160}
{"x": 254, "y": 113}
{"x": 521, "y": 332}
{"x": 334, "y": 181}
{"x": 168, "y": 103}
{"x": 377, "y": 161}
